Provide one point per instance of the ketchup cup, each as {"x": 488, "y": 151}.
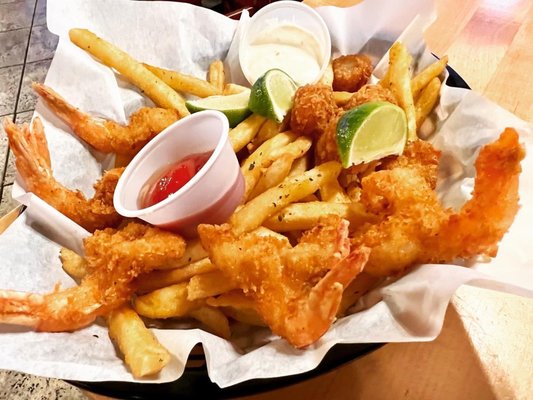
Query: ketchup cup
{"x": 210, "y": 196}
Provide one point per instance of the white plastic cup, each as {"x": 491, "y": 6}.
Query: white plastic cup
{"x": 210, "y": 196}
{"x": 286, "y": 12}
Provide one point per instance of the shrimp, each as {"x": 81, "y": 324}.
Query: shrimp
{"x": 296, "y": 290}
{"x": 33, "y": 164}
{"x": 115, "y": 258}
{"x": 109, "y": 136}
{"x": 416, "y": 228}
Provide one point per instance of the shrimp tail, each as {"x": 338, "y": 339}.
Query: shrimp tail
{"x": 85, "y": 127}
{"x": 312, "y": 316}
{"x": 30, "y": 149}
{"x": 19, "y": 308}
{"x": 68, "y": 113}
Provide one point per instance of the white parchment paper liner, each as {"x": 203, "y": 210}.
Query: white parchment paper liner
{"x": 182, "y": 37}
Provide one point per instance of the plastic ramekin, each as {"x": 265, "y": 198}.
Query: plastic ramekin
{"x": 286, "y": 12}
{"x": 210, "y": 196}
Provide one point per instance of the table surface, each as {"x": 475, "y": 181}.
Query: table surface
{"x": 485, "y": 349}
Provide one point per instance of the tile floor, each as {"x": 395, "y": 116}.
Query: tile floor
{"x": 26, "y": 50}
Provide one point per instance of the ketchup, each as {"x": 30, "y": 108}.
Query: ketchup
{"x": 162, "y": 185}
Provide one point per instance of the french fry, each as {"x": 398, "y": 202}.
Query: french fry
{"x": 292, "y": 150}
{"x": 268, "y": 130}
{"x": 299, "y": 166}
{"x": 157, "y": 90}
{"x": 274, "y": 175}
{"x": 143, "y": 353}
{"x": 159, "y": 279}
{"x": 216, "y": 75}
{"x": 233, "y": 88}
{"x": 427, "y": 100}
{"x": 262, "y": 157}
{"x": 215, "y": 320}
{"x": 243, "y": 133}
{"x": 304, "y": 216}
{"x": 341, "y": 98}
{"x": 253, "y": 213}
{"x": 385, "y": 81}
{"x": 332, "y": 191}
{"x": 73, "y": 264}
{"x": 184, "y": 83}
{"x": 245, "y": 315}
{"x": 207, "y": 285}
{"x": 234, "y": 298}
{"x": 327, "y": 76}
{"x": 167, "y": 302}
{"x": 264, "y": 232}
{"x": 400, "y": 84}
{"x": 238, "y": 307}
{"x": 420, "y": 81}
{"x": 193, "y": 252}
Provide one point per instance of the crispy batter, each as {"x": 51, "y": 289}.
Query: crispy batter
{"x": 296, "y": 290}
{"x": 370, "y": 93}
{"x": 351, "y": 72}
{"x": 416, "y": 228}
{"x": 33, "y": 164}
{"x": 420, "y": 155}
{"x": 312, "y": 110}
{"x": 115, "y": 258}
{"x": 326, "y": 146}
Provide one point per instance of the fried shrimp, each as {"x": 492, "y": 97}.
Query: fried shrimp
{"x": 416, "y": 228}
{"x": 370, "y": 93}
{"x": 351, "y": 72}
{"x": 109, "y": 136}
{"x": 296, "y": 290}
{"x": 115, "y": 258}
{"x": 33, "y": 164}
{"x": 313, "y": 108}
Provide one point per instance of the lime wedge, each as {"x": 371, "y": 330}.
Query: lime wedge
{"x": 371, "y": 131}
{"x": 234, "y": 107}
{"x": 272, "y": 95}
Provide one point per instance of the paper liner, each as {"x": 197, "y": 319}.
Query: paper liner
{"x": 186, "y": 38}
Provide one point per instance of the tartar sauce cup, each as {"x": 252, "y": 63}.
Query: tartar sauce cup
{"x": 286, "y": 35}
{"x": 210, "y": 196}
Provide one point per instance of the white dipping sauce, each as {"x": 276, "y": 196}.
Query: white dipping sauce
{"x": 287, "y": 47}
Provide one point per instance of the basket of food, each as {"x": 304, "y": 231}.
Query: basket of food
{"x": 268, "y": 188}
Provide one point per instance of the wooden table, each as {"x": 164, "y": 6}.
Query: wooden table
{"x": 485, "y": 350}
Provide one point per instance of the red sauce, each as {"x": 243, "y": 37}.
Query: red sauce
{"x": 162, "y": 185}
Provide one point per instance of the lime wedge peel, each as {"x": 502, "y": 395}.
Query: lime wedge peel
{"x": 371, "y": 131}
{"x": 234, "y": 107}
{"x": 272, "y": 95}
